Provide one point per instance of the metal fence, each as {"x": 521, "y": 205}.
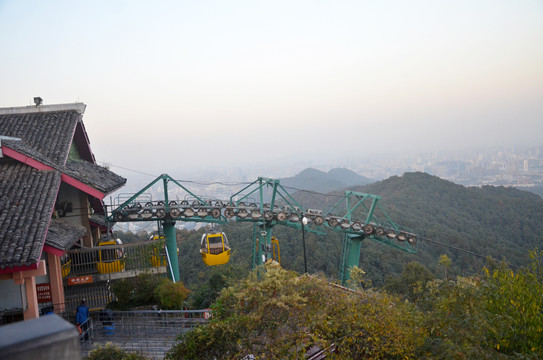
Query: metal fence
{"x": 115, "y": 258}
{"x": 97, "y": 295}
{"x": 149, "y": 332}
{"x": 8, "y": 316}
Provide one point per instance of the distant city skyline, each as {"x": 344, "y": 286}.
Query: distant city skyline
{"x": 193, "y": 86}
{"x": 492, "y": 166}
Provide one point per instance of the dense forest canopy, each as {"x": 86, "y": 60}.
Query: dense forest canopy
{"x": 500, "y": 222}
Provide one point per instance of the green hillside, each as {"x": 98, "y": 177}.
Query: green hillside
{"x": 493, "y": 221}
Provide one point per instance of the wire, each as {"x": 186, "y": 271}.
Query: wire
{"x": 124, "y": 168}
{"x": 452, "y": 247}
{"x": 139, "y": 229}
{"x": 213, "y": 182}
{"x": 178, "y": 180}
{"x": 460, "y": 249}
{"x": 313, "y": 192}
{"x": 237, "y": 227}
{"x": 216, "y": 182}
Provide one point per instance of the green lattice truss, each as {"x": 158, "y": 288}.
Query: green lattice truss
{"x": 266, "y": 203}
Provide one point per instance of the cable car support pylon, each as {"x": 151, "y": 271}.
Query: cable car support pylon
{"x": 282, "y": 209}
{"x": 166, "y": 212}
{"x": 266, "y": 204}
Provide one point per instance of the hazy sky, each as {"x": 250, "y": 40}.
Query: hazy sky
{"x": 188, "y": 84}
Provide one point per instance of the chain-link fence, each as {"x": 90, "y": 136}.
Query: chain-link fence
{"x": 150, "y": 332}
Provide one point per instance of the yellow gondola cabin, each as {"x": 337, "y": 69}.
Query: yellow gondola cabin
{"x": 215, "y": 249}
{"x": 158, "y": 257}
{"x": 66, "y": 264}
{"x": 110, "y": 259}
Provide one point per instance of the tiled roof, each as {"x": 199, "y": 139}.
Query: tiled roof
{"x": 27, "y": 197}
{"x": 62, "y": 235}
{"x": 48, "y": 135}
{"x": 99, "y": 220}
{"x": 95, "y": 176}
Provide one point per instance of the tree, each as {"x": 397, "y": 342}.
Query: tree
{"x": 357, "y": 279}
{"x": 135, "y": 291}
{"x": 148, "y": 289}
{"x": 496, "y": 316}
{"x": 171, "y": 295}
{"x": 457, "y": 323}
{"x": 514, "y": 299}
{"x": 207, "y": 293}
{"x": 412, "y": 283}
{"x": 445, "y": 262}
{"x": 275, "y": 314}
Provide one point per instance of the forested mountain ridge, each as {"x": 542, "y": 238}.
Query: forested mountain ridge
{"x": 496, "y": 221}
{"x": 492, "y": 221}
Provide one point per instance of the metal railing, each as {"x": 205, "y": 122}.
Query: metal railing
{"x": 86, "y": 330}
{"x": 8, "y": 316}
{"x": 109, "y": 259}
{"x": 150, "y": 332}
{"x": 97, "y": 295}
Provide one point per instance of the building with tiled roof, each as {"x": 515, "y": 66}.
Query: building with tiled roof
{"x": 50, "y": 187}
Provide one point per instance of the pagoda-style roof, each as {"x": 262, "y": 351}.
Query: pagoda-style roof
{"x": 41, "y": 147}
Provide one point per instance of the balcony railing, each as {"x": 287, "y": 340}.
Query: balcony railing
{"x": 113, "y": 260}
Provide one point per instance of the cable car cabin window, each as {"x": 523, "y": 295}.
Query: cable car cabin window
{"x": 108, "y": 255}
{"x": 215, "y": 244}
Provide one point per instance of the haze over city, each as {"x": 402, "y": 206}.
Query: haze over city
{"x": 176, "y": 86}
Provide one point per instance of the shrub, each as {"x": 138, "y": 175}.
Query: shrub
{"x": 495, "y": 316}
{"x": 279, "y": 315}
{"x": 136, "y": 291}
{"x": 112, "y": 352}
{"x": 171, "y": 295}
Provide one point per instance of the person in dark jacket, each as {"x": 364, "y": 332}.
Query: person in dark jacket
{"x": 82, "y": 318}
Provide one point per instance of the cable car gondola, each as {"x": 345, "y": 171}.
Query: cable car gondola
{"x": 215, "y": 249}
{"x": 110, "y": 259}
{"x": 66, "y": 265}
{"x": 158, "y": 255}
